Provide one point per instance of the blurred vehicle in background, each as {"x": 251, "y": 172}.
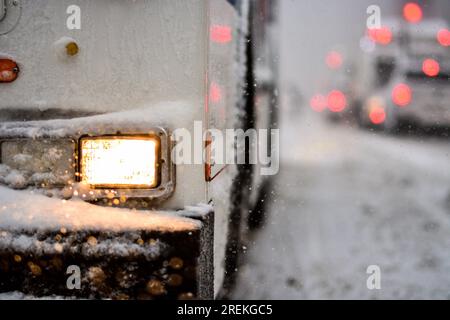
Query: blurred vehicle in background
{"x": 405, "y": 78}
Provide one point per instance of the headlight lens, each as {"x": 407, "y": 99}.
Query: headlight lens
{"x": 120, "y": 162}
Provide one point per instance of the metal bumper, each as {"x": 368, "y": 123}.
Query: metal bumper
{"x": 136, "y": 264}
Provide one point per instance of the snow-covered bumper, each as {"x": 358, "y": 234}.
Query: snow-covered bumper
{"x": 52, "y": 247}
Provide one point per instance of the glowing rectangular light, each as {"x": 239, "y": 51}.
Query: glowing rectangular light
{"x": 120, "y": 162}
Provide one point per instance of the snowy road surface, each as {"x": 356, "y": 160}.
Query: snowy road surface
{"x": 346, "y": 199}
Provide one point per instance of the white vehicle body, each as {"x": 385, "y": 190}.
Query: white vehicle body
{"x": 141, "y": 65}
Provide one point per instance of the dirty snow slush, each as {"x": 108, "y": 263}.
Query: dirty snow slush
{"x": 347, "y": 199}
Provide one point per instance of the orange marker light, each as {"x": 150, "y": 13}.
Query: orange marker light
{"x": 431, "y": 67}
{"x": 8, "y": 70}
{"x": 412, "y": 12}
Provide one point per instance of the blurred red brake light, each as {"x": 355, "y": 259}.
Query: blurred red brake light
{"x": 412, "y": 12}
{"x": 431, "y": 67}
{"x": 402, "y": 95}
{"x": 337, "y": 101}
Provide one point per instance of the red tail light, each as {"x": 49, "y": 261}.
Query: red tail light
{"x": 318, "y": 103}
{"x": 334, "y": 60}
{"x": 402, "y": 95}
{"x": 215, "y": 93}
{"x": 431, "y": 67}
{"x": 443, "y": 37}
{"x": 377, "y": 115}
{"x": 412, "y": 12}
{"x": 337, "y": 102}
{"x": 221, "y": 34}
{"x": 382, "y": 35}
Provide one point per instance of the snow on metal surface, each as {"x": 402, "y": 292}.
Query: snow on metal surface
{"x": 140, "y": 120}
{"x": 167, "y": 60}
{"x": 133, "y": 121}
{"x": 25, "y": 210}
{"x": 197, "y": 211}
{"x": 120, "y": 246}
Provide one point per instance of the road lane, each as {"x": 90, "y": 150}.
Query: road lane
{"x": 346, "y": 199}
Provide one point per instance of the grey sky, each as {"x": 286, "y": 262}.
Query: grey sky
{"x": 311, "y": 28}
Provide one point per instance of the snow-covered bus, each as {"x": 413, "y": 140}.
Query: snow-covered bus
{"x": 92, "y": 201}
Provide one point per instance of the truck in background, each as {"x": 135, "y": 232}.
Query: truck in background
{"x": 405, "y": 80}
